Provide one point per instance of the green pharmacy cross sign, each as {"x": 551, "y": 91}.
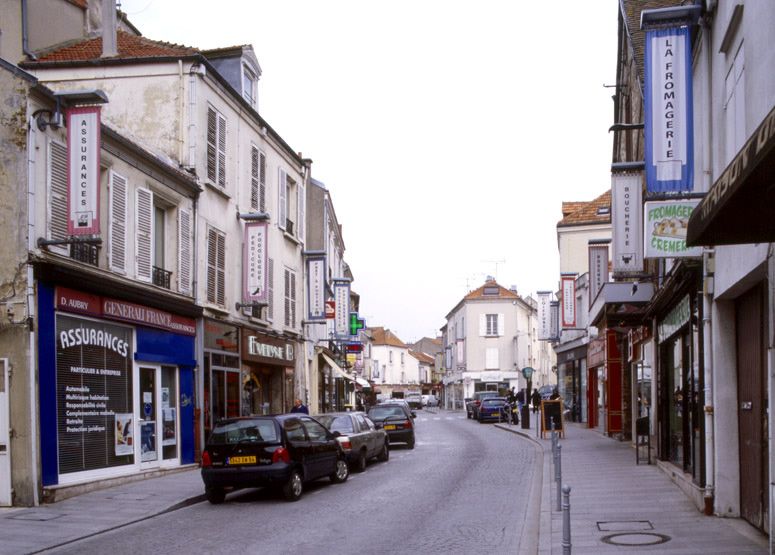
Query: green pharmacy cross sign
{"x": 356, "y": 323}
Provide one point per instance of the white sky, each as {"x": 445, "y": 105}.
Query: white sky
{"x": 448, "y": 132}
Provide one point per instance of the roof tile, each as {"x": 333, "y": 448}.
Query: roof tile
{"x": 129, "y": 46}
{"x": 580, "y": 213}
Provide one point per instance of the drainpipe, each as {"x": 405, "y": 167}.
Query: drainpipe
{"x": 32, "y": 364}
{"x": 25, "y": 34}
{"x": 708, "y": 270}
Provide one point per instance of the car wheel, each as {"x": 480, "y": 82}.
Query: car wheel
{"x": 360, "y": 464}
{"x": 384, "y": 455}
{"x": 341, "y": 473}
{"x": 215, "y": 495}
{"x": 293, "y": 487}
{"x": 410, "y": 443}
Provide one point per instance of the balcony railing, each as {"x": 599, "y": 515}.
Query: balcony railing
{"x": 86, "y": 253}
{"x": 161, "y": 277}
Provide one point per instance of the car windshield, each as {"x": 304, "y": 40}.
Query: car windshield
{"x": 492, "y": 402}
{"x": 244, "y": 431}
{"x": 341, "y": 424}
{"x": 385, "y": 411}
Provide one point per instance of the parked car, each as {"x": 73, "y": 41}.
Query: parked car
{"x": 359, "y": 437}
{"x": 472, "y": 407}
{"x": 430, "y": 401}
{"x": 492, "y": 408}
{"x": 414, "y": 400}
{"x": 284, "y": 451}
{"x": 401, "y": 402}
{"x": 396, "y": 420}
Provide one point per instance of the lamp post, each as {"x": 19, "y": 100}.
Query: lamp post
{"x": 527, "y": 372}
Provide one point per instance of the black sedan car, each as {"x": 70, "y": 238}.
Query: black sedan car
{"x": 359, "y": 437}
{"x": 396, "y": 420}
{"x": 284, "y": 451}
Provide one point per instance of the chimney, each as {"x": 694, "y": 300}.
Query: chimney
{"x": 109, "y": 41}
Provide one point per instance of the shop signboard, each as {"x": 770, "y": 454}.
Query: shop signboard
{"x": 258, "y": 347}
{"x": 668, "y": 110}
{"x": 254, "y": 263}
{"x": 598, "y": 268}
{"x": 626, "y": 214}
{"x": 666, "y": 223}
{"x": 675, "y": 319}
{"x": 83, "y": 170}
{"x": 94, "y": 394}
{"x": 342, "y": 314}
{"x": 568, "y": 314}
{"x": 316, "y": 288}
{"x": 544, "y": 315}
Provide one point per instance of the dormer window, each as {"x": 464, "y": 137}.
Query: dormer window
{"x": 489, "y": 290}
{"x": 249, "y": 85}
{"x": 603, "y": 210}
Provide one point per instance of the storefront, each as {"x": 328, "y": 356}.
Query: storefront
{"x": 572, "y": 381}
{"x": 680, "y": 388}
{"x": 604, "y": 383}
{"x": 221, "y": 374}
{"x": 116, "y": 387}
{"x": 268, "y": 365}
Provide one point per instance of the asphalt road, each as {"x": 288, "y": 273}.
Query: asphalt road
{"x": 463, "y": 489}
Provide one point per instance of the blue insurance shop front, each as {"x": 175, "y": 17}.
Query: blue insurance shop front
{"x": 116, "y": 387}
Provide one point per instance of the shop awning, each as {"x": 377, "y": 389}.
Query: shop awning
{"x": 336, "y": 370}
{"x": 363, "y": 383}
{"x": 738, "y": 207}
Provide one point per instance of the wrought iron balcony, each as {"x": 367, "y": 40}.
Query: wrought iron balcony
{"x": 161, "y": 277}
{"x": 85, "y": 252}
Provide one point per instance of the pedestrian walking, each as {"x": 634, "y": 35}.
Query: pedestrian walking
{"x": 536, "y": 400}
{"x": 298, "y": 406}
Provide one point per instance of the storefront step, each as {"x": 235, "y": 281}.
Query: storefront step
{"x": 54, "y": 494}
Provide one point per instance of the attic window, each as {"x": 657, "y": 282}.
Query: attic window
{"x": 249, "y": 85}
{"x": 603, "y": 210}
{"x": 491, "y": 291}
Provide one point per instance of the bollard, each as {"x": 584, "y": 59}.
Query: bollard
{"x": 566, "y": 545}
{"x": 558, "y": 477}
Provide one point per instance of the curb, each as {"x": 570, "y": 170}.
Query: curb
{"x": 193, "y": 500}
{"x": 531, "y": 539}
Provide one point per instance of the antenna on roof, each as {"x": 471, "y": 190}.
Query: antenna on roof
{"x": 497, "y": 263}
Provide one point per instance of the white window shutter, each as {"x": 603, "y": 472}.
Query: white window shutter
{"x": 492, "y": 359}
{"x": 293, "y": 299}
{"x": 184, "y": 251}
{"x": 221, "y": 263}
{"x": 302, "y": 211}
{"x": 57, "y": 194}
{"x": 143, "y": 235}
{"x": 287, "y": 283}
{"x": 282, "y": 195}
{"x": 482, "y": 325}
{"x": 117, "y": 230}
{"x": 501, "y": 324}
{"x": 212, "y": 145}
{"x": 221, "y": 151}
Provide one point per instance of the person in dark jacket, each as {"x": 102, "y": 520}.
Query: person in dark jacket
{"x": 536, "y": 400}
{"x": 298, "y": 406}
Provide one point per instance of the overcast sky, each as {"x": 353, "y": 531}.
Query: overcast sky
{"x": 448, "y": 132}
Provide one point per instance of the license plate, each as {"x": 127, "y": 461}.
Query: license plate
{"x": 390, "y": 426}
{"x": 242, "y": 460}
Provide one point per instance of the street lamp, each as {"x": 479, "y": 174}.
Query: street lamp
{"x": 527, "y": 372}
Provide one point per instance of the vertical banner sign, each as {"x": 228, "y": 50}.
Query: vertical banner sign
{"x": 342, "y": 300}
{"x": 627, "y": 205}
{"x": 544, "y": 316}
{"x": 83, "y": 170}
{"x": 598, "y": 269}
{"x": 316, "y": 288}
{"x": 554, "y": 311}
{"x": 254, "y": 262}
{"x": 666, "y": 225}
{"x": 568, "y": 313}
{"x": 668, "y": 111}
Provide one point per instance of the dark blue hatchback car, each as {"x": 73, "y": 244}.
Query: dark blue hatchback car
{"x": 493, "y": 408}
{"x": 284, "y": 450}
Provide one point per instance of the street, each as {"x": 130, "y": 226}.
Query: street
{"x": 463, "y": 488}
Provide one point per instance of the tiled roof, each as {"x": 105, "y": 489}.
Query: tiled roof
{"x": 631, "y": 11}
{"x": 422, "y": 357}
{"x": 83, "y": 4}
{"x": 581, "y": 213}
{"x": 129, "y": 46}
{"x": 503, "y": 293}
{"x": 382, "y": 336}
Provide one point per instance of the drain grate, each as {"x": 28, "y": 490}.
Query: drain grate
{"x": 40, "y": 516}
{"x": 622, "y": 525}
{"x": 635, "y": 539}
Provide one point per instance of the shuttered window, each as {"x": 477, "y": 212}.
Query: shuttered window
{"x": 290, "y": 298}
{"x": 282, "y": 194}
{"x": 491, "y": 362}
{"x": 254, "y": 177}
{"x": 184, "y": 251}
{"x": 262, "y": 182}
{"x": 302, "y": 209}
{"x": 216, "y": 147}
{"x": 117, "y": 229}
{"x": 57, "y": 194}
{"x": 144, "y": 235}
{"x": 216, "y": 267}
{"x": 270, "y": 290}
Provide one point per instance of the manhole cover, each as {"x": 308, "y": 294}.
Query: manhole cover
{"x": 635, "y": 539}
{"x": 621, "y": 525}
{"x": 40, "y": 516}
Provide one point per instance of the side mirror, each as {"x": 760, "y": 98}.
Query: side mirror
{"x": 336, "y": 433}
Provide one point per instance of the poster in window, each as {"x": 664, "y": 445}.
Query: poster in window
{"x": 168, "y": 429}
{"x": 148, "y": 441}
{"x": 124, "y": 435}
